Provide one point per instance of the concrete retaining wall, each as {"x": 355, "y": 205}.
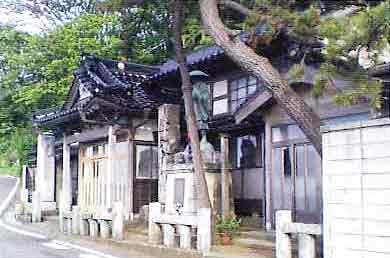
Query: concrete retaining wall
{"x": 356, "y": 189}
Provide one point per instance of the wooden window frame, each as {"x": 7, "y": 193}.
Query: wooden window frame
{"x": 247, "y": 86}
{"x": 212, "y": 99}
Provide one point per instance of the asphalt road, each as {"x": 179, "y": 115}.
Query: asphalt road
{"x": 18, "y": 245}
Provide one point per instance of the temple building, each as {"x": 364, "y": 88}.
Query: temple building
{"x": 121, "y": 136}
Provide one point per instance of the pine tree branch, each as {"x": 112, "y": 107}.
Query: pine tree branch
{"x": 236, "y": 7}
{"x": 248, "y": 60}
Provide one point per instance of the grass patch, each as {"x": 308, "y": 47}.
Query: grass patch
{"x": 11, "y": 171}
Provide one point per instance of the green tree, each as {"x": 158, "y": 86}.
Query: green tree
{"x": 36, "y": 71}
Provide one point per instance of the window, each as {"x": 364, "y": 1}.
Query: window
{"x": 179, "y": 191}
{"x": 220, "y": 98}
{"x": 146, "y": 162}
{"x": 234, "y": 93}
{"x": 95, "y": 151}
{"x": 286, "y": 132}
{"x": 246, "y": 151}
{"x": 241, "y": 89}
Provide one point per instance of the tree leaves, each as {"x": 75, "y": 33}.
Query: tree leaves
{"x": 36, "y": 71}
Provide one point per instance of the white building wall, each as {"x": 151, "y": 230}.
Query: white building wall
{"x": 356, "y": 189}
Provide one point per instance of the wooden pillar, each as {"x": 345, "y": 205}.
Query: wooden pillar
{"x": 268, "y": 175}
{"x": 131, "y": 175}
{"x": 226, "y": 179}
{"x": 67, "y": 177}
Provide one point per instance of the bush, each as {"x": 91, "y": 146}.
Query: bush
{"x": 230, "y": 227}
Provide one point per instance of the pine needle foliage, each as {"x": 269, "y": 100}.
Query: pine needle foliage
{"x": 346, "y": 38}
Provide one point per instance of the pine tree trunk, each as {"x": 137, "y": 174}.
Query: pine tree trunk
{"x": 204, "y": 199}
{"x": 260, "y": 66}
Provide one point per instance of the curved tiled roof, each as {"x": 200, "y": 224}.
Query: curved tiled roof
{"x": 102, "y": 77}
{"x": 48, "y": 115}
{"x": 195, "y": 57}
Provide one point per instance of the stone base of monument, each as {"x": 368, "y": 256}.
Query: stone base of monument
{"x": 163, "y": 228}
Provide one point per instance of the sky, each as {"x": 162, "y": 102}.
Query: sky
{"x": 24, "y": 21}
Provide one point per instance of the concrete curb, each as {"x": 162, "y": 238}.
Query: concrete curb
{"x": 6, "y": 203}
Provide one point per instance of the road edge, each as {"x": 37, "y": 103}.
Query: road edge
{"x": 6, "y": 203}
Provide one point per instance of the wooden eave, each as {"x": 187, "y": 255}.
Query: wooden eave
{"x": 251, "y": 106}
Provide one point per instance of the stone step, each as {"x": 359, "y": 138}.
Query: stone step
{"x": 251, "y": 242}
{"x": 237, "y": 251}
{"x": 257, "y": 234}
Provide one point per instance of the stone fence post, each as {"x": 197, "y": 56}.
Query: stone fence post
{"x": 36, "y": 207}
{"x": 24, "y": 190}
{"x": 283, "y": 240}
{"x": 306, "y": 246}
{"x": 204, "y": 237}
{"x": 118, "y": 221}
{"x": 306, "y": 236}
{"x": 76, "y": 220}
{"x": 154, "y": 230}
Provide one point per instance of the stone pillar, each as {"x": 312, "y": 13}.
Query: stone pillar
{"x": 75, "y": 220}
{"x": 169, "y": 235}
{"x": 36, "y": 207}
{"x": 226, "y": 179}
{"x": 306, "y": 246}
{"x": 84, "y": 227}
{"x": 68, "y": 224}
{"x": 204, "y": 234}
{"x": 131, "y": 171}
{"x": 24, "y": 196}
{"x": 93, "y": 228}
{"x": 118, "y": 221}
{"x": 104, "y": 229}
{"x": 185, "y": 236}
{"x": 168, "y": 141}
{"x": 66, "y": 177}
{"x": 110, "y": 152}
{"x": 268, "y": 176}
{"x": 23, "y": 188}
{"x": 61, "y": 214}
{"x": 45, "y": 178}
{"x": 154, "y": 230}
{"x": 283, "y": 240}
{"x": 24, "y": 176}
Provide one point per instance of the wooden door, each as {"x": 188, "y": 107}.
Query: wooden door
{"x": 307, "y": 188}
{"x": 146, "y": 176}
{"x": 92, "y": 180}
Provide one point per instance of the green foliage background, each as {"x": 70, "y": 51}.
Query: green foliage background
{"x": 36, "y": 72}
